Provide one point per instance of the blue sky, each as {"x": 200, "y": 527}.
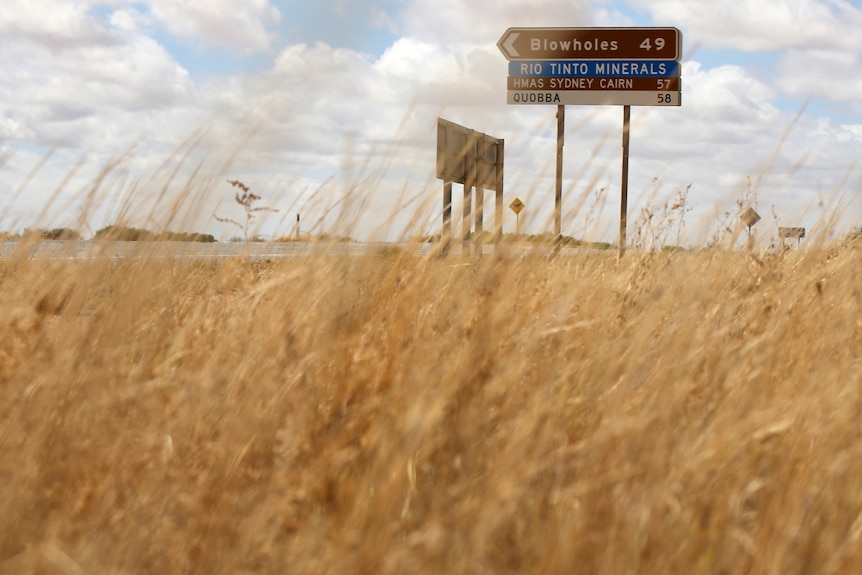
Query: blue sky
{"x": 351, "y": 27}
{"x": 314, "y": 102}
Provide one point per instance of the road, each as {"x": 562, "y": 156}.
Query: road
{"x": 74, "y": 250}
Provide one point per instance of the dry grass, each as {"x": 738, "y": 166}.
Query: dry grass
{"x": 666, "y": 413}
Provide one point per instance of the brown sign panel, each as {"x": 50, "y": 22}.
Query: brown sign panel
{"x": 567, "y": 83}
{"x": 791, "y": 233}
{"x": 591, "y": 44}
{"x": 594, "y": 97}
{"x": 459, "y": 158}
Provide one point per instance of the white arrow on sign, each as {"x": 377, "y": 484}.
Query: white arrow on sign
{"x": 508, "y": 45}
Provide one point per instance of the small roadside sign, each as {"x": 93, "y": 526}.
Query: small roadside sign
{"x": 791, "y": 233}
{"x": 750, "y": 217}
{"x": 516, "y": 206}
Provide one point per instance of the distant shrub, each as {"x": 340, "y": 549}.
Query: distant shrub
{"x": 672, "y": 248}
{"x": 127, "y": 234}
{"x": 389, "y": 252}
{"x": 186, "y": 237}
{"x": 123, "y": 234}
{"x": 325, "y": 237}
{"x": 60, "y": 234}
{"x": 566, "y": 241}
{"x": 304, "y": 237}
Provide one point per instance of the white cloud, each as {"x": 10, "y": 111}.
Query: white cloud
{"x": 851, "y": 133}
{"x": 761, "y": 24}
{"x": 832, "y": 75}
{"x": 73, "y": 97}
{"x": 70, "y": 78}
{"x": 242, "y": 25}
{"x": 451, "y": 75}
{"x": 126, "y": 20}
{"x": 13, "y": 129}
{"x": 382, "y": 19}
{"x": 482, "y": 21}
{"x": 51, "y": 24}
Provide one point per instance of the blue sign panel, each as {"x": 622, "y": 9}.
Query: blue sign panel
{"x": 595, "y": 69}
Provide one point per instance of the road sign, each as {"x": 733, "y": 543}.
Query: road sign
{"x": 516, "y": 206}
{"x": 749, "y": 217}
{"x": 792, "y": 233}
{"x": 475, "y": 160}
{"x": 593, "y": 66}
{"x": 459, "y": 158}
{"x": 594, "y": 97}
{"x": 582, "y": 69}
{"x": 565, "y": 83}
{"x": 591, "y": 44}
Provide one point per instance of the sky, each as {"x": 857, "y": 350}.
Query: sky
{"x": 138, "y": 112}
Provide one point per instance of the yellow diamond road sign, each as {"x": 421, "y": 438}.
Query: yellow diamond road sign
{"x": 517, "y": 205}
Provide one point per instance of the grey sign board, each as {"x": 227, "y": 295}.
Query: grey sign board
{"x": 460, "y": 150}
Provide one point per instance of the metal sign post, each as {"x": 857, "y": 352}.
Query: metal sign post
{"x": 446, "y": 236}
{"x": 558, "y": 195}
{"x": 624, "y": 189}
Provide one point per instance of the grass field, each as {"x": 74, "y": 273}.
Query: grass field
{"x": 684, "y": 412}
